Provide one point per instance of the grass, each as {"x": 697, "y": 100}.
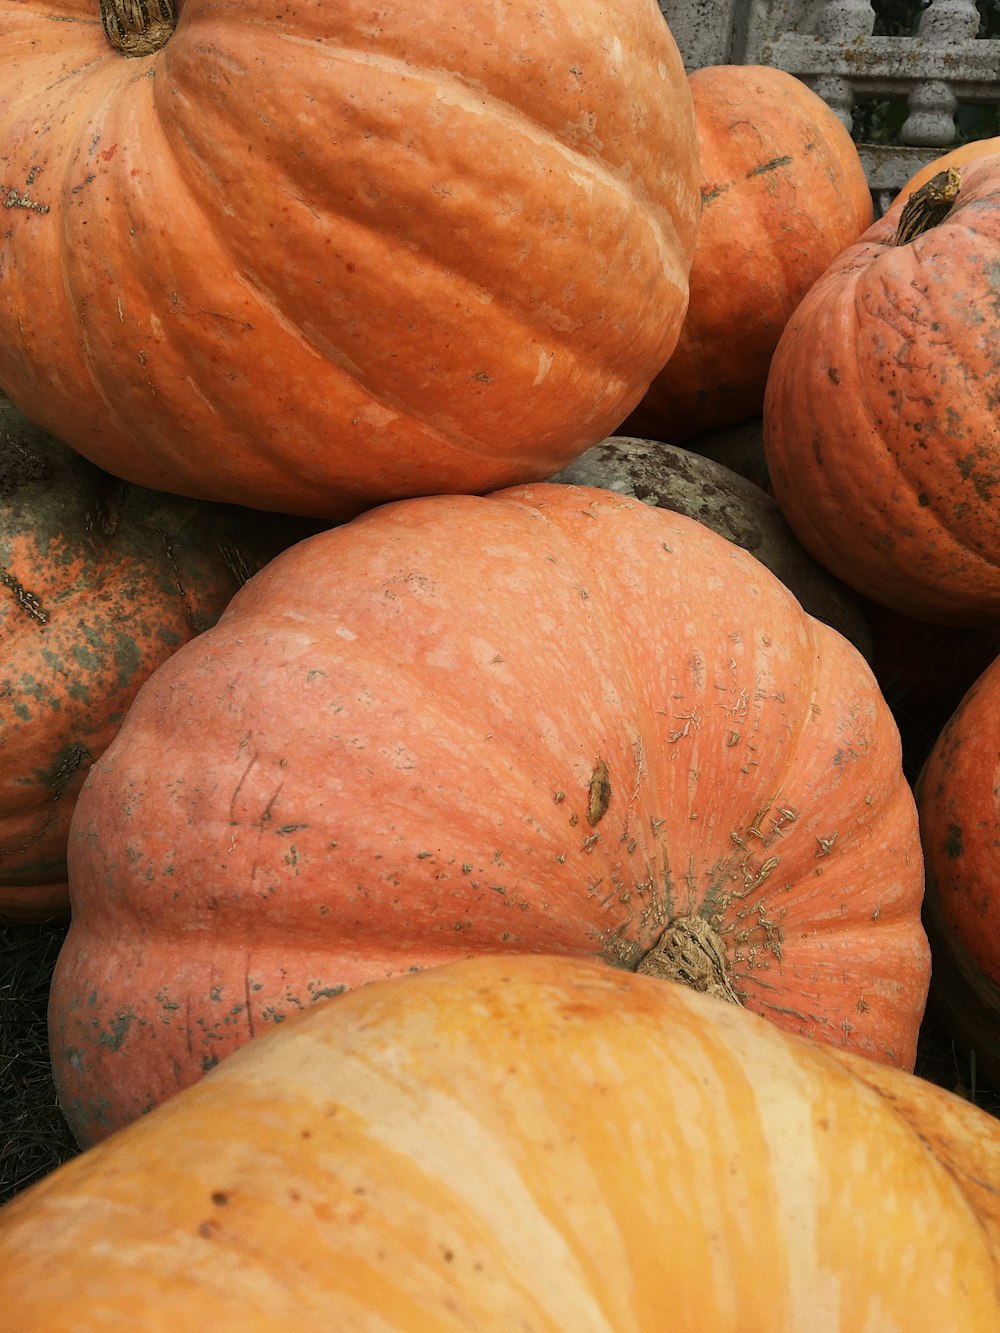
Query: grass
{"x": 34, "y": 1137}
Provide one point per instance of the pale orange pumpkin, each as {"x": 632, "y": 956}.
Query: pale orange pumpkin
{"x": 524, "y": 1143}
{"x": 310, "y": 256}
{"x": 553, "y": 719}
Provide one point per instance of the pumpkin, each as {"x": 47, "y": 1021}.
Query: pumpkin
{"x": 959, "y": 157}
{"x": 101, "y": 582}
{"x": 524, "y": 1142}
{"x": 783, "y": 191}
{"x": 729, "y": 504}
{"x": 549, "y": 720}
{"x": 959, "y": 800}
{"x": 307, "y": 256}
{"x": 880, "y": 419}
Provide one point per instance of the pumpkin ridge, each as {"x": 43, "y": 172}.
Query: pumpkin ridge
{"x": 524, "y": 316}
{"x": 654, "y": 216}
{"x": 480, "y": 101}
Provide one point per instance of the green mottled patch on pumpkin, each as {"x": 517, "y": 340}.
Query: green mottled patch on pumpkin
{"x": 117, "y": 1030}
{"x": 128, "y": 658}
{"x": 954, "y": 845}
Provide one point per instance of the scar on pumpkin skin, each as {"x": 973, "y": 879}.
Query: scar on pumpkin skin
{"x": 599, "y": 795}
{"x": 26, "y": 600}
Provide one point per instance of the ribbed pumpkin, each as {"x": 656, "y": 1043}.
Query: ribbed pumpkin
{"x": 881, "y": 413}
{"x": 549, "y": 720}
{"x": 959, "y": 801}
{"x": 100, "y": 581}
{"x": 783, "y": 191}
{"x": 307, "y": 256}
{"x": 524, "y": 1143}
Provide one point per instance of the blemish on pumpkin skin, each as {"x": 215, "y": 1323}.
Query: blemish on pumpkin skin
{"x": 117, "y": 1030}
{"x": 954, "y": 845}
{"x": 599, "y": 793}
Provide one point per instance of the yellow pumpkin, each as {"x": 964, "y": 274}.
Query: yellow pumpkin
{"x": 523, "y": 1142}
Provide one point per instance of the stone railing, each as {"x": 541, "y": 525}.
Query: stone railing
{"x": 829, "y": 44}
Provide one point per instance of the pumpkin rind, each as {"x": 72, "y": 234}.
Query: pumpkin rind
{"x": 731, "y": 505}
{"x": 100, "y": 582}
{"x": 314, "y": 256}
{"x": 880, "y": 419}
{"x": 958, "y": 796}
{"x": 549, "y": 720}
{"x": 783, "y": 191}
{"x": 525, "y": 1142}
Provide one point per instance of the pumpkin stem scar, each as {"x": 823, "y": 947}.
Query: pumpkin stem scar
{"x": 928, "y": 206}
{"x": 689, "y": 951}
{"x": 138, "y": 27}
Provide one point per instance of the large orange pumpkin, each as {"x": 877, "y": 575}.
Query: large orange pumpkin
{"x": 524, "y": 1143}
{"x": 880, "y": 420}
{"x": 549, "y": 720}
{"x": 100, "y": 581}
{"x": 959, "y": 801}
{"x": 783, "y": 191}
{"x": 306, "y": 256}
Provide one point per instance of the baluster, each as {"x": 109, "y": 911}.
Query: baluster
{"x": 931, "y": 122}
{"x": 841, "y": 20}
{"x": 838, "y": 94}
{"x": 948, "y": 22}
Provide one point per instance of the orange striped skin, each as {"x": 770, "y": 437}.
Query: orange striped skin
{"x": 99, "y": 583}
{"x": 529, "y": 1143}
{"x": 310, "y": 255}
{"x": 958, "y": 795}
{"x": 554, "y": 720}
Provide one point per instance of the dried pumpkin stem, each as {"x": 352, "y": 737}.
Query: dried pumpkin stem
{"x": 690, "y": 951}
{"x": 138, "y": 27}
{"x": 928, "y": 206}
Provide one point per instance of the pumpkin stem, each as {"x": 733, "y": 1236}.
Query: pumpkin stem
{"x": 929, "y": 205}
{"x": 689, "y": 951}
{"x": 138, "y": 27}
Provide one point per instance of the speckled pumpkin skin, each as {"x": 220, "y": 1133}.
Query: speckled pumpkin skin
{"x": 100, "y": 582}
{"x": 958, "y": 794}
{"x": 553, "y": 719}
{"x": 880, "y": 420}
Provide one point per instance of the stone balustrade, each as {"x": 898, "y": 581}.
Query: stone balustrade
{"x": 830, "y": 45}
